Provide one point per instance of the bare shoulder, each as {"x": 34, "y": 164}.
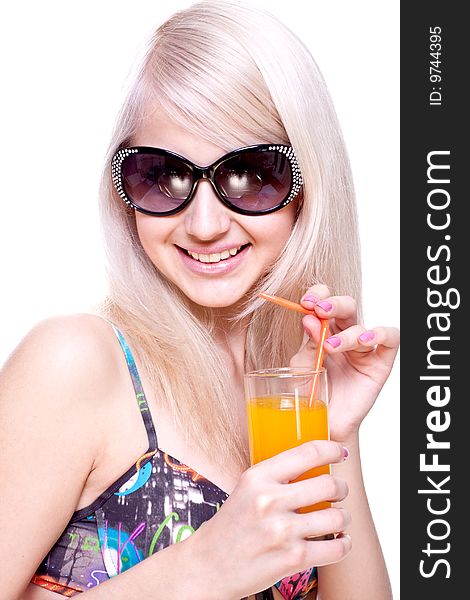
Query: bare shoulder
{"x": 62, "y": 369}
{"x": 63, "y": 353}
{"x": 58, "y": 373}
{"x": 51, "y": 388}
{"x": 65, "y": 341}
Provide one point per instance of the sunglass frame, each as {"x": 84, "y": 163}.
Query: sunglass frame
{"x": 206, "y": 173}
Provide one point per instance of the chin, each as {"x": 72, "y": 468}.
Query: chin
{"x": 216, "y": 299}
{"x": 216, "y": 303}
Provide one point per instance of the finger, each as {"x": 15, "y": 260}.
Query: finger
{"x": 290, "y": 464}
{"x": 307, "y": 352}
{"x": 314, "y": 294}
{"x": 312, "y": 328}
{"x": 386, "y": 340}
{"x": 323, "y": 488}
{"x": 305, "y": 357}
{"x": 326, "y": 552}
{"x": 342, "y": 308}
{"x": 322, "y": 522}
{"x": 349, "y": 339}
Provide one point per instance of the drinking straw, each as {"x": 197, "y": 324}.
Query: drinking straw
{"x": 320, "y": 352}
{"x": 319, "y": 359}
{"x": 286, "y": 303}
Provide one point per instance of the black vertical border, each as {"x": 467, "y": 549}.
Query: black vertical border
{"x": 424, "y": 129}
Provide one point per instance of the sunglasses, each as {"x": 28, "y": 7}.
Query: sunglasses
{"x": 255, "y": 180}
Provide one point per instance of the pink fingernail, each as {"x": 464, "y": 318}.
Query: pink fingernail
{"x": 334, "y": 341}
{"x": 367, "y": 336}
{"x": 345, "y": 453}
{"x": 310, "y": 299}
{"x": 326, "y": 306}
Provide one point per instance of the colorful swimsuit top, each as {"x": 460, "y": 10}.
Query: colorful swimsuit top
{"x": 157, "y": 502}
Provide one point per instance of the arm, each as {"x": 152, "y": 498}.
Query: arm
{"x": 65, "y": 367}
{"x": 363, "y": 573}
{"x": 253, "y": 541}
{"x": 44, "y": 458}
{"x": 55, "y": 392}
{"x": 357, "y": 370}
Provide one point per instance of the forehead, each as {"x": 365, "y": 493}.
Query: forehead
{"x": 160, "y": 131}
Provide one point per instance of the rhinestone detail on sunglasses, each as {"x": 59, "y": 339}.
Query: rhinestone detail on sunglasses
{"x": 118, "y": 159}
{"x": 296, "y": 184}
{"x": 296, "y": 174}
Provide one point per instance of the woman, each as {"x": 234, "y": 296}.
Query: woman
{"x": 188, "y": 251}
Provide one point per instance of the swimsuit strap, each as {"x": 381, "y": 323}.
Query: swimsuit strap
{"x": 139, "y": 390}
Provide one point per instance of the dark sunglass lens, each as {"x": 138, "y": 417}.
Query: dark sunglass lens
{"x": 156, "y": 182}
{"x": 255, "y": 180}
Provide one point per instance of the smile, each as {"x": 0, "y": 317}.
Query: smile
{"x": 215, "y": 257}
{"x": 214, "y": 263}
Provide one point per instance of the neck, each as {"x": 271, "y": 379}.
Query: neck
{"x": 231, "y": 339}
{"x": 229, "y": 335}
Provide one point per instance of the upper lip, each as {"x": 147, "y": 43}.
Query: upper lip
{"x": 213, "y": 250}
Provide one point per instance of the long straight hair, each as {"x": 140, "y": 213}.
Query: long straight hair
{"x": 227, "y": 71}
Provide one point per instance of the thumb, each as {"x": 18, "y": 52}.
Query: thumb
{"x": 306, "y": 353}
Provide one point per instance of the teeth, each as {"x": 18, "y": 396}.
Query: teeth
{"x": 215, "y": 257}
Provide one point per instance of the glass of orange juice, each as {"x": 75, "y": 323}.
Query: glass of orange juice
{"x": 281, "y": 415}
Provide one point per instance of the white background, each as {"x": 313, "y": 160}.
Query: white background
{"x": 64, "y": 69}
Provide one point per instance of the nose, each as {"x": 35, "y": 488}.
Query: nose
{"x": 206, "y": 217}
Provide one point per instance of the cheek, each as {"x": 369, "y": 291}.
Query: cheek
{"x": 275, "y": 229}
{"x": 150, "y": 232}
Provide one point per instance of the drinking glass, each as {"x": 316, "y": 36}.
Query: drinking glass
{"x": 281, "y": 414}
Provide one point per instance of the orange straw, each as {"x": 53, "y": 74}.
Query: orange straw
{"x": 323, "y": 334}
{"x": 286, "y": 303}
{"x": 319, "y": 359}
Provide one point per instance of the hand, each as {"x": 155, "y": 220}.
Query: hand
{"x": 257, "y": 537}
{"x": 359, "y": 361}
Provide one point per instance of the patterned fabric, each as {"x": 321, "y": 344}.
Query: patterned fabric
{"x": 158, "y": 501}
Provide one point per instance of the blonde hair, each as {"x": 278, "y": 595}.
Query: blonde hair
{"x": 227, "y": 71}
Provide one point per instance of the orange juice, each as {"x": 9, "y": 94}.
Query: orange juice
{"x": 280, "y": 422}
